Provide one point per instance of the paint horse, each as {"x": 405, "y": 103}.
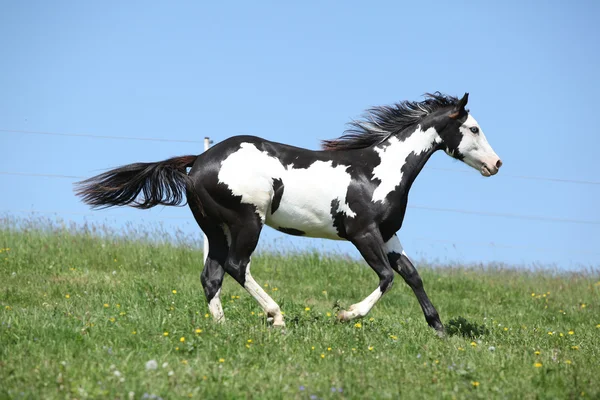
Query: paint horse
{"x": 355, "y": 189}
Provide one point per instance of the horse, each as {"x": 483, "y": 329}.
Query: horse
{"x": 355, "y": 189}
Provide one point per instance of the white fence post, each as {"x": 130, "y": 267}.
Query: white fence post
{"x": 207, "y": 143}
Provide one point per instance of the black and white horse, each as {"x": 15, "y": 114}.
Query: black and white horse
{"x": 355, "y": 189}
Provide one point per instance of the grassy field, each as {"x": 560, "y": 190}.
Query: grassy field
{"x": 88, "y": 315}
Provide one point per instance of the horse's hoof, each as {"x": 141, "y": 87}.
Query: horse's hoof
{"x": 344, "y": 315}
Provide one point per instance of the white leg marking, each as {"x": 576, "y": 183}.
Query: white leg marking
{"x": 266, "y": 302}
{"x": 361, "y": 309}
{"x": 215, "y": 308}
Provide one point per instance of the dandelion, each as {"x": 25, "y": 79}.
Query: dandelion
{"x": 475, "y": 384}
{"x": 393, "y": 337}
{"x": 537, "y": 364}
{"x": 166, "y": 334}
{"x": 251, "y": 312}
{"x": 568, "y": 362}
{"x": 106, "y": 305}
{"x": 112, "y": 319}
{"x": 118, "y": 305}
{"x": 250, "y": 341}
{"x": 322, "y": 355}
{"x": 221, "y": 360}
{"x": 122, "y": 313}
{"x": 571, "y": 333}
{"x": 306, "y": 308}
{"x": 274, "y": 289}
{"x": 561, "y": 334}
{"x": 461, "y": 349}
{"x": 206, "y": 315}
{"x": 598, "y": 326}
{"x": 371, "y": 319}
{"x": 575, "y": 347}
{"x": 370, "y": 348}
{"x": 537, "y": 353}
{"x": 328, "y": 314}
{"x": 312, "y": 348}
{"x": 177, "y": 348}
{"x": 184, "y": 362}
{"x": 329, "y": 349}
{"x": 182, "y": 339}
{"x": 325, "y": 292}
{"x": 473, "y": 344}
{"x": 505, "y": 329}
{"x": 353, "y": 349}
{"x": 151, "y": 365}
{"x": 67, "y": 296}
{"x": 358, "y": 325}
{"x": 198, "y": 331}
{"x": 134, "y": 332}
{"x": 266, "y": 285}
{"x": 247, "y": 346}
{"x": 532, "y": 294}
{"x": 583, "y": 305}
{"x": 550, "y": 333}
{"x": 174, "y": 291}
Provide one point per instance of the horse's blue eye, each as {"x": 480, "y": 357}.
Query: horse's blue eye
{"x": 475, "y": 129}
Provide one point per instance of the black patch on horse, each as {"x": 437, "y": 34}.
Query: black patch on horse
{"x": 277, "y": 194}
{"x": 291, "y": 231}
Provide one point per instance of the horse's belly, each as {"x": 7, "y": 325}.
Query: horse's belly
{"x": 303, "y": 220}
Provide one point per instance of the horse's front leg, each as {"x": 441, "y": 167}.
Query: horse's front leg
{"x": 402, "y": 265}
{"x": 370, "y": 245}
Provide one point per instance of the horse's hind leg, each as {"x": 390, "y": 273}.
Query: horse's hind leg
{"x": 402, "y": 264}
{"x": 244, "y": 238}
{"x": 213, "y": 273}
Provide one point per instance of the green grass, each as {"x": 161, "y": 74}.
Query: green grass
{"x": 82, "y": 313}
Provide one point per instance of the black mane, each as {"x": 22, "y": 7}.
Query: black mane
{"x": 381, "y": 122}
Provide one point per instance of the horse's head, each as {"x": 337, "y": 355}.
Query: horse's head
{"x": 464, "y": 140}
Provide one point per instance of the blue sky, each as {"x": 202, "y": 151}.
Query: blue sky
{"x": 299, "y": 73}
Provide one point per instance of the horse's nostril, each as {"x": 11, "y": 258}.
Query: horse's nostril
{"x": 499, "y": 164}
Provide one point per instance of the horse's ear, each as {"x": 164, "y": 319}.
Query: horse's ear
{"x": 460, "y": 107}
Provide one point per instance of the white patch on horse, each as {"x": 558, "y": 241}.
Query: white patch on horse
{"x": 269, "y": 306}
{"x": 475, "y": 148}
{"x": 308, "y": 193}
{"x": 215, "y": 308}
{"x": 393, "y": 157}
{"x": 249, "y": 173}
{"x": 361, "y": 309}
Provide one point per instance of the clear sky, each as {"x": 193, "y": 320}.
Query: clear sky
{"x": 299, "y": 73}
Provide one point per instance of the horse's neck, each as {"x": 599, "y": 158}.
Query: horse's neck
{"x": 401, "y": 160}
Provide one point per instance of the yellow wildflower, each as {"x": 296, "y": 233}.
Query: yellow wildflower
{"x": 537, "y": 364}
{"x": 475, "y": 383}
{"x": 358, "y": 325}
{"x": 473, "y": 344}
{"x": 112, "y": 319}
{"x": 166, "y": 334}
{"x": 505, "y": 329}
{"x": 106, "y": 305}
{"x": 206, "y": 315}
{"x": 182, "y": 339}
{"x": 249, "y": 340}
{"x": 370, "y": 348}
{"x": 575, "y": 347}
{"x": 568, "y": 362}
{"x": 328, "y": 314}
{"x": 537, "y": 353}
{"x": 571, "y": 333}
{"x": 174, "y": 291}
{"x": 198, "y": 331}
{"x": 322, "y": 355}
{"x": 329, "y": 349}
{"x": 133, "y": 332}
{"x": 221, "y": 360}
{"x": 67, "y": 296}
{"x": 306, "y": 308}
{"x": 550, "y": 333}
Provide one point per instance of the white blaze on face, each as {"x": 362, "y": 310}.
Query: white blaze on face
{"x": 476, "y": 150}
{"x": 393, "y": 157}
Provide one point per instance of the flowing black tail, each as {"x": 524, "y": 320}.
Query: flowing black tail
{"x": 163, "y": 182}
